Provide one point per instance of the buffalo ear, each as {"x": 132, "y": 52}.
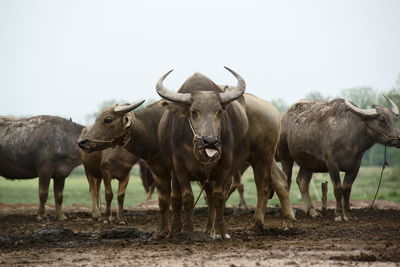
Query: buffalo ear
{"x": 179, "y": 109}
{"x": 128, "y": 120}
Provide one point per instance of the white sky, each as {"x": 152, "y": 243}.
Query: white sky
{"x": 66, "y": 57}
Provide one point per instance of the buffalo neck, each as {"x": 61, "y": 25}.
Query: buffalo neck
{"x": 144, "y": 142}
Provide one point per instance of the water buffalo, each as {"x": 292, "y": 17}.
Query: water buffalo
{"x": 332, "y": 137}
{"x": 104, "y": 165}
{"x": 41, "y": 146}
{"x": 205, "y": 134}
{"x": 137, "y": 132}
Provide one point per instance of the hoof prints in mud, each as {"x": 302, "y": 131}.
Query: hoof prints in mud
{"x": 45, "y": 237}
{"x": 116, "y": 233}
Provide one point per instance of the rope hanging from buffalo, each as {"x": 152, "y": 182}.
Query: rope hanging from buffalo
{"x": 380, "y": 179}
{"x": 207, "y": 164}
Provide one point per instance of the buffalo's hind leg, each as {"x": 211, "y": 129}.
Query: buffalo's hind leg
{"x": 262, "y": 178}
{"x": 303, "y": 181}
{"x": 279, "y": 183}
{"x": 58, "y": 188}
{"x": 44, "y": 181}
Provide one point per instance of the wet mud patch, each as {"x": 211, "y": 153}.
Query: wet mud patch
{"x": 371, "y": 239}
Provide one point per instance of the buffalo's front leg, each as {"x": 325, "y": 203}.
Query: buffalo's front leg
{"x": 218, "y": 197}
{"x": 347, "y": 184}
{"x": 338, "y": 190}
{"x": 123, "y": 183}
{"x": 208, "y": 188}
{"x": 163, "y": 185}
{"x": 176, "y": 203}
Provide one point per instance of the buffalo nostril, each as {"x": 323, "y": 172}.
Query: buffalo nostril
{"x": 81, "y": 141}
{"x": 208, "y": 140}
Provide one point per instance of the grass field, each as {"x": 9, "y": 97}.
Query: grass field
{"x": 77, "y": 191}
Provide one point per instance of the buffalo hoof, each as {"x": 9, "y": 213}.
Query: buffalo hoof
{"x": 313, "y": 213}
{"x": 219, "y": 237}
{"x": 257, "y": 227}
{"x": 41, "y": 218}
{"x": 341, "y": 219}
{"x": 123, "y": 222}
{"x": 61, "y": 217}
{"x": 287, "y": 224}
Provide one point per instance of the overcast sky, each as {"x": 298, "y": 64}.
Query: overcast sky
{"x": 66, "y": 57}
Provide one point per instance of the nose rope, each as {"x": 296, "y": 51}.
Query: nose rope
{"x": 197, "y": 137}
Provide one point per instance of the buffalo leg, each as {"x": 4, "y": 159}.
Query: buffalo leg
{"x": 123, "y": 183}
{"x": 218, "y": 201}
{"x": 279, "y": 184}
{"x": 163, "y": 186}
{"x": 150, "y": 192}
{"x": 262, "y": 178}
{"x": 176, "y": 203}
{"x": 303, "y": 181}
{"x": 44, "y": 181}
{"x": 109, "y": 197}
{"x": 58, "y": 188}
{"x": 338, "y": 191}
{"x": 94, "y": 188}
{"x": 347, "y": 184}
{"x": 208, "y": 188}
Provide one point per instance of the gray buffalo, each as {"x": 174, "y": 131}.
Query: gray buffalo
{"x": 41, "y": 146}
{"x": 332, "y": 137}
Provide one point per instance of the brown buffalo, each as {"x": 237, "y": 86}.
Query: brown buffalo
{"x": 103, "y": 166}
{"x": 137, "y": 132}
{"x": 41, "y": 146}
{"x": 205, "y": 134}
{"x": 332, "y": 137}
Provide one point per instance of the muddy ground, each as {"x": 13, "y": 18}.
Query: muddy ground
{"x": 373, "y": 239}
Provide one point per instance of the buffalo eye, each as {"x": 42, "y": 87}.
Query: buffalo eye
{"x": 382, "y": 120}
{"x": 194, "y": 113}
{"x": 108, "y": 120}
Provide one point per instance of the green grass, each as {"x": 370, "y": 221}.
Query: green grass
{"x": 77, "y": 190}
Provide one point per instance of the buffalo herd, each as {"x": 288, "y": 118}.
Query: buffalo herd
{"x": 201, "y": 132}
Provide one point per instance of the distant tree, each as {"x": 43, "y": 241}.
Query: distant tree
{"x": 280, "y": 104}
{"x": 363, "y": 97}
{"x": 314, "y": 95}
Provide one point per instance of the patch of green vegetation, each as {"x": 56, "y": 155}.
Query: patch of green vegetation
{"x": 77, "y": 189}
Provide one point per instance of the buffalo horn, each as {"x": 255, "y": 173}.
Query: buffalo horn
{"x": 362, "y": 112}
{"x": 394, "y": 107}
{"x": 235, "y": 93}
{"x": 122, "y": 109}
{"x": 169, "y": 95}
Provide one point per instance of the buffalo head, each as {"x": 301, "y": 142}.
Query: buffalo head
{"x": 110, "y": 128}
{"x": 380, "y": 121}
{"x": 203, "y": 103}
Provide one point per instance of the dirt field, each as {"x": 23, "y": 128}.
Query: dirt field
{"x": 373, "y": 239}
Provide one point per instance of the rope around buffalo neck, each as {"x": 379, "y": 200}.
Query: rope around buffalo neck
{"x": 380, "y": 179}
